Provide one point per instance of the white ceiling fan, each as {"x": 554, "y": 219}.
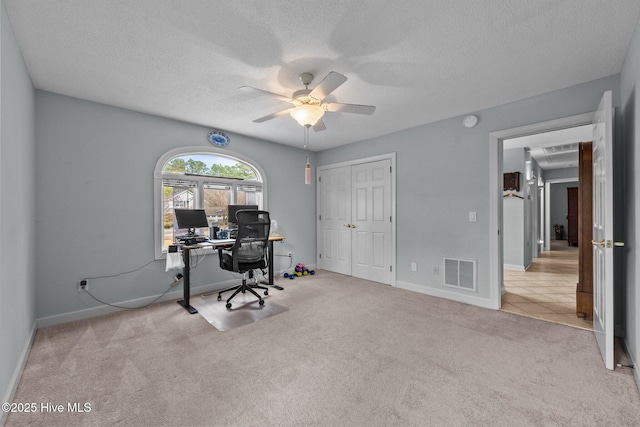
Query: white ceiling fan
{"x": 308, "y": 106}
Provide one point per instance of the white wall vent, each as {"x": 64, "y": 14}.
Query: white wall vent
{"x": 460, "y": 273}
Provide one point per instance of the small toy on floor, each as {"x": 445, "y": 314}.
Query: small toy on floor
{"x": 299, "y": 271}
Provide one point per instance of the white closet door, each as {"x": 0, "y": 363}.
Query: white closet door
{"x": 371, "y": 221}
{"x": 334, "y": 234}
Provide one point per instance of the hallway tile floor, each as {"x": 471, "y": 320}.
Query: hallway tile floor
{"x": 547, "y": 290}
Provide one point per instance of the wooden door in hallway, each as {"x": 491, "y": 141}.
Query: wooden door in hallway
{"x": 584, "y": 289}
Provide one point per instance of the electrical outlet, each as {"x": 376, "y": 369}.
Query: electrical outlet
{"x": 83, "y": 285}
{"x": 436, "y": 270}
{"x": 414, "y": 266}
{"x": 289, "y": 254}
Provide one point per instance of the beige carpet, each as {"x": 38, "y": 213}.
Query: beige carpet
{"x": 347, "y": 353}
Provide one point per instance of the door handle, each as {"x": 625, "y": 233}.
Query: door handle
{"x": 353, "y": 226}
{"x": 607, "y": 243}
{"x": 347, "y": 225}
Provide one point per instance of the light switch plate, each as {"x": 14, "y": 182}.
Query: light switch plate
{"x": 472, "y": 217}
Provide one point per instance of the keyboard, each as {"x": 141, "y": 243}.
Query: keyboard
{"x": 198, "y": 237}
{"x": 219, "y": 241}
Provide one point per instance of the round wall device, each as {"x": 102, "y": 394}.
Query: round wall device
{"x": 219, "y": 139}
{"x": 470, "y": 121}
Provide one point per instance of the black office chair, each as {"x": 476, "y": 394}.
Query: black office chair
{"x": 249, "y": 252}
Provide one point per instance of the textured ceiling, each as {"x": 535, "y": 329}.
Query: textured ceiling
{"x": 556, "y": 149}
{"x": 417, "y": 61}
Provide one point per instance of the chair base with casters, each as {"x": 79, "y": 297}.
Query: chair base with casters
{"x": 244, "y": 287}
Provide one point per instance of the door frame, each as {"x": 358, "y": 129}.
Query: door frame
{"x": 542, "y": 221}
{"x": 496, "y": 244}
{"x": 387, "y": 156}
{"x": 547, "y": 210}
{"x": 534, "y": 218}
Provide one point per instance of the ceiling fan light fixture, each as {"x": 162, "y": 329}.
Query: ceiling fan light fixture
{"x": 307, "y": 114}
{"x": 309, "y": 105}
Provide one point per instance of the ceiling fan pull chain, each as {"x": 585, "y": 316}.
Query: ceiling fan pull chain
{"x": 306, "y": 137}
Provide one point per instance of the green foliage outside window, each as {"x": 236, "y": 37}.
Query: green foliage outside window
{"x": 197, "y": 167}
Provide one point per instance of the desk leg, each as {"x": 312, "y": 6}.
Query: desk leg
{"x": 186, "y": 285}
{"x": 271, "y": 267}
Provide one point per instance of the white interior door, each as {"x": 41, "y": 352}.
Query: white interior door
{"x": 371, "y": 221}
{"x": 603, "y": 229}
{"x": 354, "y": 225}
{"x": 334, "y": 237}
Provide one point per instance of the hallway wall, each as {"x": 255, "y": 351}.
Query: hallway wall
{"x": 558, "y": 206}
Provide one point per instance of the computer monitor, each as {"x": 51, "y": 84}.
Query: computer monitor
{"x": 232, "y": 209}
{"x": 191, "y": 219}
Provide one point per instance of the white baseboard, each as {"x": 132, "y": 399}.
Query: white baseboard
{"x": 100, "y": 310}
{"x": 514, "y": 267}
{"x": 446, "y": 294}
{"x": 17, "y": 373}
{"x": 630, "y": 355}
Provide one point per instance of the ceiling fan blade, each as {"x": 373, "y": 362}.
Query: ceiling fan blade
{"x": 319, "y": 126}
{"x": 264, "y": 92}
{"x": 335, "y": 107}
{"x": 330, "y": 83}
{"x": 272, "y": 116}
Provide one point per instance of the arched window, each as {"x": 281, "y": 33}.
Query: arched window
{"x": 202, "y": 178}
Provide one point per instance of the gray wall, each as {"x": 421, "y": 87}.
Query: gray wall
{"x": 513, "y": 211}
{"x": 443, "y": 173}
{"x": 17, "y": 213}
{"x": 94, "y": 175}
{"x": 517, "y": 214}
{"x": 558, "y": 206}
{"x": 630, "y": 294}
{"x": 562, "y": 173}
{"x": 531, "y": 191}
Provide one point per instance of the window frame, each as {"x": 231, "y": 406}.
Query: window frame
{"x": 159, "y": 176}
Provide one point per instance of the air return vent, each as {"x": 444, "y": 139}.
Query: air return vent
{"x": 460, "y": 273}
